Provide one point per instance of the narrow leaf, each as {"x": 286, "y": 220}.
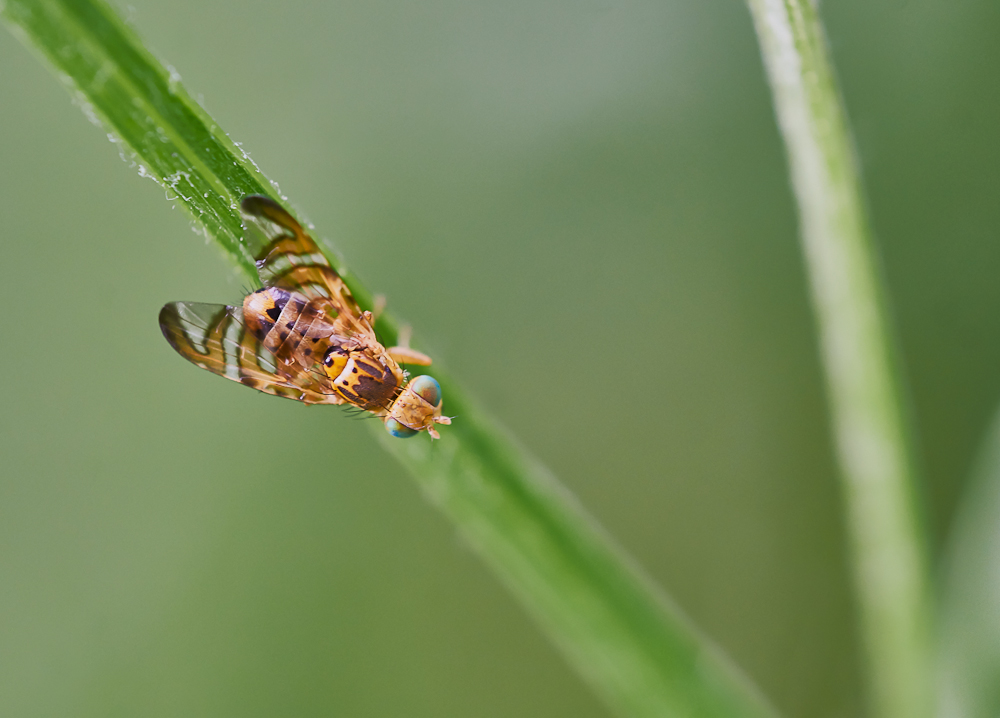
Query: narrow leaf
{"x": 634, "y": 647}
{"x": 869, "y": 423}
{"x": 970, "y": 612}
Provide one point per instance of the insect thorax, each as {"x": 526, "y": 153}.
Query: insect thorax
{"x": 362, "y": 379}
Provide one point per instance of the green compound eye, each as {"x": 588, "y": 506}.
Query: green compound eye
{"x": 398, "y": 430}
{"x": 428, "y": 389}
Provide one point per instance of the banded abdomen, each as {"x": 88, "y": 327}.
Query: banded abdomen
{"x": 296, "y": 330}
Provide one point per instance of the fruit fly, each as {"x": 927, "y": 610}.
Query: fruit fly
{"x": 302, "y": 335}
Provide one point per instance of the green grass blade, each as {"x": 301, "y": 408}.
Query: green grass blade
{"x": 634, "y": 647}
{"x": 970, "y": 611}
{"x": 888, "y": 545}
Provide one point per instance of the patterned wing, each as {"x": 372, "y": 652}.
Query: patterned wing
{"x": 213, "y": 337}
{"x": 290, "y": 258}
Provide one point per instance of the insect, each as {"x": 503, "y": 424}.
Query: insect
{"x": 302, "y": 336}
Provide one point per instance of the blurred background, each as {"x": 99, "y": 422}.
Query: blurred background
{"x": 533, "y": 185}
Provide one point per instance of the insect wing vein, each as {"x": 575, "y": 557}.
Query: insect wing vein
{"x": 212, "y": 336}
{"x": 291, "y": 259}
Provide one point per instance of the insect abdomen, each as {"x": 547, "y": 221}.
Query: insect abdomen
{"x": 263, "y": 308}
{"x": 293, "y": 329}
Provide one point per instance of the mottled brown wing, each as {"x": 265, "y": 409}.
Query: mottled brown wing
{"x": 290, "y": 258}
{"x": 213, "y": 337}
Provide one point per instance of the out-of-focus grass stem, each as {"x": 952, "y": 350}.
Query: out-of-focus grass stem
{"x": 868, "y": 417}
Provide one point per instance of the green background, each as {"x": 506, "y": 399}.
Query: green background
{"x": 583, "y": 209}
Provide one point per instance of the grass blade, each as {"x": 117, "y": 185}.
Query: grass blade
{"x": 970, "y": 611}
{"x": 888, "y": 545}
{"x": 633, "y": 646}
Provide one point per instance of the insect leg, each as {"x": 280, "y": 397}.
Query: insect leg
{"x": 405, "y": 355}
{"x": 378, "y": 306}
{"x": 402, "y": 353}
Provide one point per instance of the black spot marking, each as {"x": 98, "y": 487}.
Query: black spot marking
{"x": 328, "y": 359}
{"x": 283, "y": 336}
{"x": 260, "y": 327}
{"x": 290, "y": 324}
{"x": 355, "y": 370}
{"x": 307, "y": 352}
{"x": 274, "y": 313}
